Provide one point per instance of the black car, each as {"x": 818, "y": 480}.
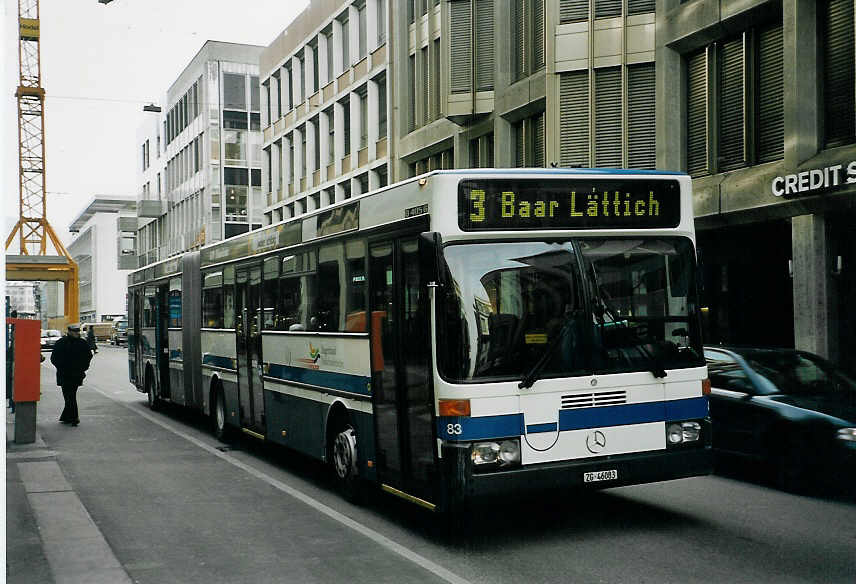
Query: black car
{"x": 789, "y": 410}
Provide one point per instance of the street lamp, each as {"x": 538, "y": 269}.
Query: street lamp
{"x": 146, "y": 108}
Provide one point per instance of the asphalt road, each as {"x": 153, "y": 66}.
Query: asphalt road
{"x": 175, "y": 505}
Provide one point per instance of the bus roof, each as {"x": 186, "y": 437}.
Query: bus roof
{"x": 171, "y": 265}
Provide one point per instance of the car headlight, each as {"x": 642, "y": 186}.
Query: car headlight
{"x": 847, "y": 434}
{"x": 504, "y": 453}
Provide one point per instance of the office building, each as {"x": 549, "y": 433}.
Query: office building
{"x": 103, "y": 247}
{"x": 200, "y": 155}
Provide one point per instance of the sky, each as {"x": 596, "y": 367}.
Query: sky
{"x": 100, "y": 65}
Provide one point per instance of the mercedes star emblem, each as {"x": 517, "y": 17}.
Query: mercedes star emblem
{"x": 595, "y": 442}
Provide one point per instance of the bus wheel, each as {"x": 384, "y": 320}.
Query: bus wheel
{"x": 345, "y": 463}
{"x": 221, "y": 430}
{"x": 154, "y": 402}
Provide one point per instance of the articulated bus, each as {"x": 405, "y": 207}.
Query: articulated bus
{"x": 460, "y": 334}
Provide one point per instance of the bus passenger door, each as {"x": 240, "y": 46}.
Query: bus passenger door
{"x": 248, "y": 344}
{"x": 403, "y": 402}
{"x": 162, "y": 340}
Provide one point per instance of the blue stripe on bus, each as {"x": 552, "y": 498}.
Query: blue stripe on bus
{"x": 612, "y": 416}
{"x": 503, "y": 426}
{"x": 341, "y": 381}
{"x": 535, "y": 428}
{"x": 218, "y": 361}
{"x": 687, "y": 409}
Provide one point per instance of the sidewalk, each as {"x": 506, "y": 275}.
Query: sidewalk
{"x": 25, "y": 559}
{"x": 133, "y": 496}
{"x": 50, "y": 537}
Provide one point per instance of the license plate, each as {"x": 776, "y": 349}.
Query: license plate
{"x": 602, "y": 475}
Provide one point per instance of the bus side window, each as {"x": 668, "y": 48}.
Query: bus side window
{"x": 354, "y": 287}
{"x": 270, "y": 286}
{"x": 325, "y": 316}
{"x": 175, "y": 303}
{"x": 212, "y": 299}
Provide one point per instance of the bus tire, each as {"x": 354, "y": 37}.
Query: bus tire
{"x": 151, "y": 392}
{"x": 344, "y": 460}
{"x": 218, "y": 416}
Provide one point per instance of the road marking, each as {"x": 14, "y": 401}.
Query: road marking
{"x": 368, "y": 532}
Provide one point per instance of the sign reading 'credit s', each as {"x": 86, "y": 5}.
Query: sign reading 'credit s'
{"x": 574, "y": 203}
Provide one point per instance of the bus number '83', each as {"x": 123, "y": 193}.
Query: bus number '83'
{"x": 454, "y": 429}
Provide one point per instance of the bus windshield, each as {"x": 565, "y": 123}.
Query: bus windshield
{"x": 568, "y": 308}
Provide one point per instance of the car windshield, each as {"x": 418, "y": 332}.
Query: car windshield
{"x": 121, "y": 326}
{"x": 795, "y": 373}
{"x": 582, "y": 306}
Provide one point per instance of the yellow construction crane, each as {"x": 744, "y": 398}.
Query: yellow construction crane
{"x": 33, "y": 229}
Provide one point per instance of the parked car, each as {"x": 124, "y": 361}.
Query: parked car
{"x": 119, "y": 332}
{"x": 49, "y": 339}
{"x": 790, "y": 410}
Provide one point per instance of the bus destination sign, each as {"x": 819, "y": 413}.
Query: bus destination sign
{"x": 572, "y": 203}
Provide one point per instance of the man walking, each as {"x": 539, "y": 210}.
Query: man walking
{"x": 71, "y": 356}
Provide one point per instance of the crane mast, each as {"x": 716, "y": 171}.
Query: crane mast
{"x": 32, "y": 227}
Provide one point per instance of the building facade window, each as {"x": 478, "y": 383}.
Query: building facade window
{"x": 735, "y": 112}
{"x": 530, "y": 141}
{"x": 462, "y": 14}
{"x": 836, "y": 28}
{"x": 234, "y": 91}
{"x": 328, "y": 34}
{"x": 527, "y": 37}
{"x": 381, "y": 22}
{"x": 346, "y": 41}
{"x": 361, "y": 38}
{"x": 364, "y": 117}
{"x": 641, "y": 116}
{"x": 573, "y": 10}
{"x": 607, "y": 8}
{"x": 574, "y": 119}
{"x": 236, "y": 183}
{"x": 381, "y": 106}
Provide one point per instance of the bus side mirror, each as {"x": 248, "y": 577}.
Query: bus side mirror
{"x": 431, "y": 261}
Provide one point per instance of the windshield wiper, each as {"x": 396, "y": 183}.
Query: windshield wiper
{"x": 532, "y": 376}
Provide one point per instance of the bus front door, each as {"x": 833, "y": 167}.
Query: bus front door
{"x": 403, "y": 401}
{"x": 249, "y": 345}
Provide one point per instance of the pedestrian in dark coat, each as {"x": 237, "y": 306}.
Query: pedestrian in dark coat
{"x": 71, "y": 356}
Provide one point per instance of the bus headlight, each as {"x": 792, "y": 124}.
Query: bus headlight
{"x": 680, "y": 432}
{"x": 509, "y": 452}
{"x": 692, "y": 430}
{"x": 674, "y": 433}
{"x": 505, "y": 453}
{"x": 485, "y": 453}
